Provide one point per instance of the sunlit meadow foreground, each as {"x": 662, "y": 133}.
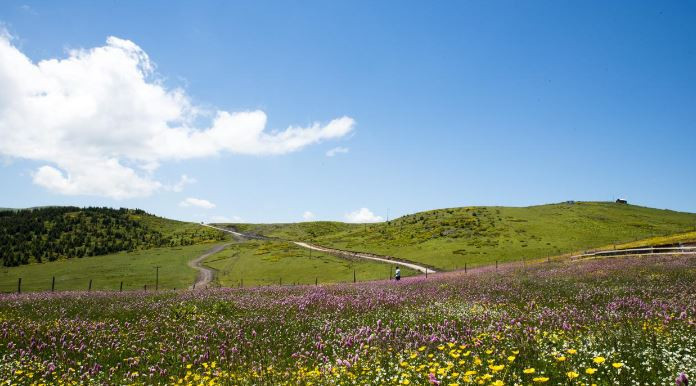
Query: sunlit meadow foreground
{"x": 613, "y": 321}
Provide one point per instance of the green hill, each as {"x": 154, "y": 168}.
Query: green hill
{"x": 255, "y": 263}
{"x": 55, "y": 233}
{"x": 449, "y": 238}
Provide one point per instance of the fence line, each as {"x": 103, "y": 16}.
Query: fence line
{"x": 637, "y": 251}
{"x": 53, "y": 285}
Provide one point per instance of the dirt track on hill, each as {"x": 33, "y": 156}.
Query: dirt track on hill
{"x": 337, "y": 252}
{"x": 205, "y": 275}
{"x": 361, "y": 255}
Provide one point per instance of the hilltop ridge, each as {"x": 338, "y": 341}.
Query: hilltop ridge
{"x": 54, "y": 233}
{"x": 452, "y": 237}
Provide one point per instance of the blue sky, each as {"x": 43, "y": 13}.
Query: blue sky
{"x": 445, "y": 104}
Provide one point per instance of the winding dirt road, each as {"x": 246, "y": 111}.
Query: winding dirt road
{"x": 338, "y": 252}
{"x": 205, "y": 275}
{"x": 361, "y": 255}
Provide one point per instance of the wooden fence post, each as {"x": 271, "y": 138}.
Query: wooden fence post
{"x": 496, "y": 265}
{"x": 464, "y": 267}
{"x": 316, "y": 281}
{"x": 120, "y": 288}
{"x": 53, "y": 284}
{"x": 353, "y": 276}
{"x": 19, "y": 285}
{"x": 89, "y": 288}
{"x": 426, "y": 272}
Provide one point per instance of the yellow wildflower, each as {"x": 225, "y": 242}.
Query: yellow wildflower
{"x": 404, "y": 364}
{"x": 561, "y": 358}
{"x": 541, "y": 379}
{"x": 496, "y": 368}
{"x": 590, "y": 370}
{"x": 421, "y": 348}
{"x": 511, "y": 358}
{"x": 572, "y": 374}
{"x": 599, "y": 360}
{"x": 529, "y": 371}
{"x": 498, "y": 383}
{"x": 572, "y": 351}
{"x": 617, "y": 365}
{"x": 470, "y": 373}
{"x": 405, "y": 381}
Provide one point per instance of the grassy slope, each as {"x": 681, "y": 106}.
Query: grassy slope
{"x": 684, "y": 238}
{"x": 264, "y": 263}
{"x": 178, "y": 229}
{"x": 135, "y": 269}
{"x": 449, "y": 238}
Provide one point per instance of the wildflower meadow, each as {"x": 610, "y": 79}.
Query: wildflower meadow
{"x": 618, "y": 321}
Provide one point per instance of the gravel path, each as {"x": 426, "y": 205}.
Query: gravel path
{"x": 205, "y": 275}
{"x": 361, "y": 255}
{"x": 339, "y": 252}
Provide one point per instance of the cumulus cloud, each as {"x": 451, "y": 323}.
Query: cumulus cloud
{"x": 197, "y": 202}
{"x": 183, "y": 181}
{"x": 362, "y": 215}
{"x": 308, "y": 216}
{"x": 102, "y": 122}
{"x": 336, "y": 150}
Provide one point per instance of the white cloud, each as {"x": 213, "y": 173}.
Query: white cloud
{"x": 102, "y": 122}
{"x": 308, "y": 216}
{"x": 28, "y": 9}
{"x": 362, "y": 215}
{"x": 183, "y": 181}
{"x": 205, "y": 204}
{"x": 337, "y": 150}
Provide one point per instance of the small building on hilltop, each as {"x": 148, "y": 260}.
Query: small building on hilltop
{"x": 621, "y": 201}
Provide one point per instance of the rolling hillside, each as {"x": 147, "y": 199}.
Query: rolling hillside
{"x": 449, "y": 238}
{"x": 256, "y": 263}
{"x": 56, "y": 233}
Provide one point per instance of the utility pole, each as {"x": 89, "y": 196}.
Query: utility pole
{"x": 157, "y": 267}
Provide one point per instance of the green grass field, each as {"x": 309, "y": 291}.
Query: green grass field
{"x": 683, "y": 238}
{"x": 135, "y": 269}
{"x": 266, "y": 263}
{"x": 449, "y": 238}
{"x": 444, "y": 239}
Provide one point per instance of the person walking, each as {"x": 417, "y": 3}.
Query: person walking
{"x": 397, "y": 275}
